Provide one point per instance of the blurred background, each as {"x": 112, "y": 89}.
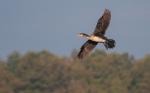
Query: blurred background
{"x": 39, "y": 43}
{"x": 35, "y": 25}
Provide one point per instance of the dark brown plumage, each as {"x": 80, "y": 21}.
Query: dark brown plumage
{"x": 86, "y": 48}
{"x": 102, "y": 23}
{"x": 99, "y": 31}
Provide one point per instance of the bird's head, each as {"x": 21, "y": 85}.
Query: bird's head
{"x": 80, "y": 34}
{"x": 83, "y": 35}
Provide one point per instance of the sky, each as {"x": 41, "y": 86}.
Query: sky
{"x": 36, "y": 25}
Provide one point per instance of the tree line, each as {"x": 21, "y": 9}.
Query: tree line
{"x": 101, "y": 72}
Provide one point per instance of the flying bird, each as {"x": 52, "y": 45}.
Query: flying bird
{"x": 98, "y": 36}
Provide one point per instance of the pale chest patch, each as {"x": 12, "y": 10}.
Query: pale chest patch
{"x": 97, "y": 39}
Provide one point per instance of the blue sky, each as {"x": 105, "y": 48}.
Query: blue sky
{"x": 35, "y": 25}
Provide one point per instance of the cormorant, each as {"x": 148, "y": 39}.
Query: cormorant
{"x": 97, "y": 36}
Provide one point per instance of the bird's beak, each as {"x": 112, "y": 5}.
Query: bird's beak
{"x": 79, "y": 35}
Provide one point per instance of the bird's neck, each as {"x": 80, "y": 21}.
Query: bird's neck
{"x": 85, "y": 36}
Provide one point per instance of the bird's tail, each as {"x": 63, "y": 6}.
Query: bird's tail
{"x": 110, "y": 43}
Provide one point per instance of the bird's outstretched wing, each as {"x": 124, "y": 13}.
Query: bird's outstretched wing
{"x": 103, "y": 23}
{"x": 86, "y": 48}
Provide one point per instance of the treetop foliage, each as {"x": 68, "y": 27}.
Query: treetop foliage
{"x": 101, "y": 72}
